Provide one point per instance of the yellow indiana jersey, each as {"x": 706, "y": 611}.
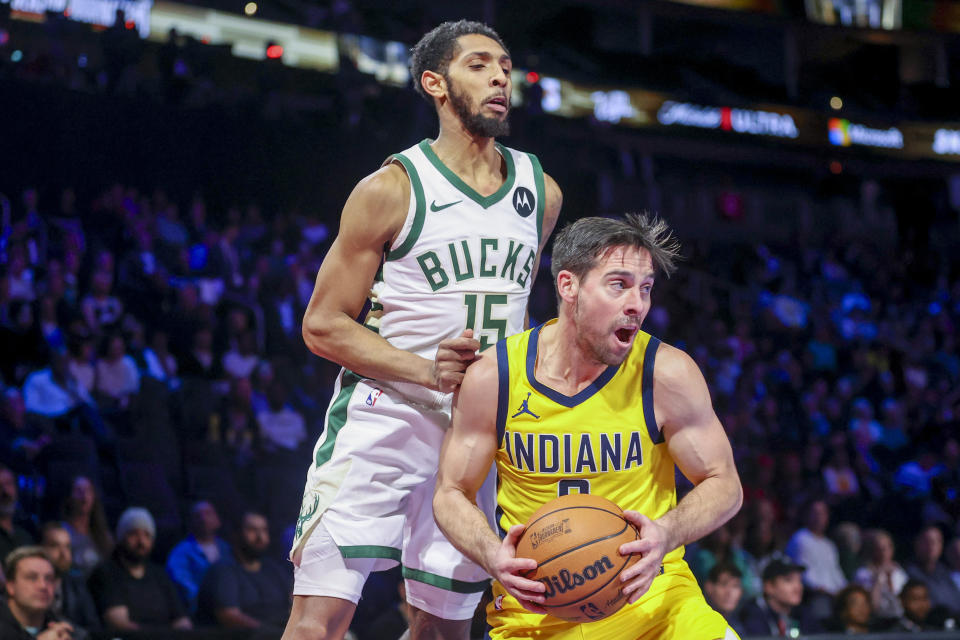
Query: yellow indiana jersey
{"x": 604, "y": 440}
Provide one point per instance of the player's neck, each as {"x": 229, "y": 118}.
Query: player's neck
{"x": 561, "y": 362}
{"x": 474, "y": 159}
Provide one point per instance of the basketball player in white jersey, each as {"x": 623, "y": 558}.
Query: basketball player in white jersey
{"x": 444, "y": 240}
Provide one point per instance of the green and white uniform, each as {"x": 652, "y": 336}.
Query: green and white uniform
{"x": 461, "y": 260}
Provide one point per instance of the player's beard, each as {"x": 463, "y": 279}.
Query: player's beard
{"x": 475, "y": 122}
{"x": 593, "y": 340}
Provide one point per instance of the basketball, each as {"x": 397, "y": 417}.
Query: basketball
{"x": 575, "y": 541}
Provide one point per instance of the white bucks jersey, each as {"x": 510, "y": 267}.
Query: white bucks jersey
{"x": 461, "y": 260}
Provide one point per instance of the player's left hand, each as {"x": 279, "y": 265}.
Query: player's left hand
{"x": 651, "y": 547}
{"x": 510, "y": 570}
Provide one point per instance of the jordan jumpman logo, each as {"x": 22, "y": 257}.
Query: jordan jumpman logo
{"x": 525, "y": 409}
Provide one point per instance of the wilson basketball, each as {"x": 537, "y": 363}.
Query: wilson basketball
{"x": 575, "y": 541}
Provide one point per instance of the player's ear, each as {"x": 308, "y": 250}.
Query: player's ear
{"x": 434, "y": 84}
{"x": 568, "y": 285}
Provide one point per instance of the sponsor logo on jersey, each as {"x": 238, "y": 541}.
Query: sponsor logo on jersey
{"x": 573, "y": 453}
{"x": 525, "y": 408}
{"x": 372, "y": 397}
{"x": 440, "y": 207}
{"x": 523, "y": 201}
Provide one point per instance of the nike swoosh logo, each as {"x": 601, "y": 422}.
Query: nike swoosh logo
{"x": 434, "y": 207}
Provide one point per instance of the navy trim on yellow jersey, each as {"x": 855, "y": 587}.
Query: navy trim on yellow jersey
{"x": 567, "y": 401}
{"x": 503, "y": 389}
{"x": 649, "y": 357}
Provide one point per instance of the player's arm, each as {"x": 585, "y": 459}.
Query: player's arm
{"x": 551, "y": 212}
{"x": 465, "y": 459}
{"x": 699, "y": 446}
{"x": 371, "y": 220}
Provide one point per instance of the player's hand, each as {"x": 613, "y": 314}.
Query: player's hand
{"x": 452, "y": 359}
{"x": 651, "y": 547}
{"x": 508, "y": 570}
{"x": 56, "y": 631}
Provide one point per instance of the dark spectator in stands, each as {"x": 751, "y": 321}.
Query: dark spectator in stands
{"x": 118, "y": 380}
{"x": 27, "y": 612}
{"x": 82, "y": 363}
{"x": 395, "y": 620}
{"x": 130, "y": 591}
{"x": 952, "y": 557}
{"x": 48, "y": 325}
{"x": 55, "y": 394}
{"x": 192, "y": 557}
{"x": 282, "y": 428}
{"x": 20, "y": 277}
{"x": 23, "y": 345}
{"x": 723, "y": 589}
{"x": 12, "y": 535}
{"x": 21, "y": 438}
{"x": 810, "y": 547}
{"x": 237, "y": 424}
{"x": 86, "y": 522}
{"x": 916, "y": 605}
{"x": 72, "y": 601}
{"x": 254, "y": 591}
{"x": 160, "y": 364}
{"x": 927, "y": 568}
{"x": 915, "y": 477}
{"x": 838, "y": 475}
{"x": 200, "y": 361}
{"x": 880, "y": 575}
{"x": 852, "y": 610}
{"x": 771, "y": 614}
{"x": 849, "y": 540}
{"x": 243, "y": 360}
{"x": 101, "y": 309}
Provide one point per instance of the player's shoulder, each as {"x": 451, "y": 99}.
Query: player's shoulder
{"x": 674, "y": 367}
{"x": 388, "y": 183}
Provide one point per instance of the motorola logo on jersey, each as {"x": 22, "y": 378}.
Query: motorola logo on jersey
{"x": 523, "y": 201}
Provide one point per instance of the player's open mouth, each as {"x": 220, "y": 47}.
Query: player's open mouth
{"x": 498, "y": 104}
{"x": 625, "y": 334}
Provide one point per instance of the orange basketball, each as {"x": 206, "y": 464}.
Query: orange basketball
{"x": 575, "y": 541}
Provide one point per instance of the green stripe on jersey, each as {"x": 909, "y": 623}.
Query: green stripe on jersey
{"x": 418, "y": 215}
{"x": 484, "y": 201}
{"x": 442, "y": 582}
{"x": 541, "y": 195}
{"x": 337, "y": 416}
{"x": 370, "y": 551}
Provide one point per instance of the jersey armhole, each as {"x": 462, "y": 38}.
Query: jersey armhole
{"x": 649, "y": 416}
{"x": 541, "y": 195}
{"x": 503, "y": 390}
{"x": 413, "y": 224}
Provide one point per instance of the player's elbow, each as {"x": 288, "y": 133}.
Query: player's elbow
{"x": 736, "y": 494}
{"x": 318, "y": 334}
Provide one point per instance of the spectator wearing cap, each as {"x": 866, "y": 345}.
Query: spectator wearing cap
{"x": 27, "y": 612}
{"x": 927, "y": 568}
{"x": 71, "y": 600}
{"x": 771, "y": 613}
{"x": 131, "y": 592}
{"x": 193, "y": 556}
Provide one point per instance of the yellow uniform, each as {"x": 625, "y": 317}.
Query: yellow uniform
{"x": 604, "y": 441}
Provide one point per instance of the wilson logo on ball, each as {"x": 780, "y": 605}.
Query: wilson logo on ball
{"x": 565, "y": 580}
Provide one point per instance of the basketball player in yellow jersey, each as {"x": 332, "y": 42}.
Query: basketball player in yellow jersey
{"x": 589, "y": 403}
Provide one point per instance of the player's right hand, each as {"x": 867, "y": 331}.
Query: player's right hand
{"x": 453, "y": 357}
{"x": 509, "y": 570}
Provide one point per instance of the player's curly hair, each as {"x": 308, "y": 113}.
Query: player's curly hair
{"x": 439, "y": 46}
{"x": 580, "y": 245}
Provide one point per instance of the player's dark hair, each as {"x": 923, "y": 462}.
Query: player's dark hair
{"x": 722, "y": 568}
{"x": 439, "y": 46}
{"x": 580, "y": 245}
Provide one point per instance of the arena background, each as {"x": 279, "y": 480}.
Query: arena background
{"x": 807, "y": 154}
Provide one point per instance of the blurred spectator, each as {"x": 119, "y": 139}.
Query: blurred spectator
{"x": 848, "y": 538}
{"x": 281, "y": 427}
{"x": 914, "y": 477}
{"x": 723, "y": 589}
{"x": 72, "y": 601}
{"x": 24, "y": 348}
{"x": 200, "y": 361}
{"x": 131, "y": 592}
{"x": 27, "y": 612}
{"x": 86, "y": 522}
{"x": 881, "y": 575}
{"x": 101, "y": 309}
{"x": 838, "y": 476}
{"x": 118, "y": 380}
{"x": 191, "y": 558}
{"x": 811, "y": 548}
{"x": 771, "y": 613}
{"x": 916, "y": 605}
{"x": 952, "y": 556}
{"x": 927, "y": 568}
{"x": 243, "y": 360}
{"x": 12, "y": 535}
{"x": 237, "y": 424}
{"x": 54, "y": 393}
{"x": 82, "y": 362}
{"x": 852, "y": 610}
{"x": 21, "y": 439}
{"x": 254, "y": 591}
{"x": 160, "y": 363}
